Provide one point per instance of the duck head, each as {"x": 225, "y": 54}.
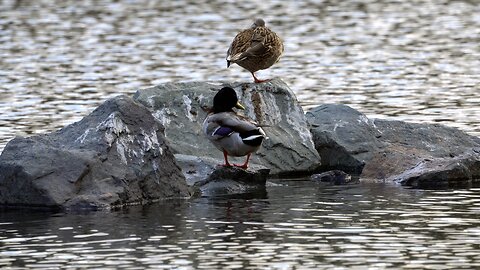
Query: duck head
{"x": 225, "y": 100}
{"x": 258, "y": 22}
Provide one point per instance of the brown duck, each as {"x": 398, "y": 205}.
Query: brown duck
{"x": 255, "y": 48}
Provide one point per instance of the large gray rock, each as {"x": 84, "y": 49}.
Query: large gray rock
{"x": 344, "y": 137}
{"x": 393, "y": 150}
{"x": 115, "y": 156}
{"x": 182, "y": 107}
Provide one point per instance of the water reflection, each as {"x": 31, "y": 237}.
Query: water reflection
{"x": 296, "y": 225}
{"x": 415, "y": 60}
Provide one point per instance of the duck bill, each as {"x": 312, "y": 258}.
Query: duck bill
{"x": 239, "y": 106}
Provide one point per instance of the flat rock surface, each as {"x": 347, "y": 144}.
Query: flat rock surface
{"x": 207, "y": 177}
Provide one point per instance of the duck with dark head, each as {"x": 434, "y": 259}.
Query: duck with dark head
{"x": 229, "y": 132}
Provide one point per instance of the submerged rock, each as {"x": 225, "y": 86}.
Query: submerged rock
{"x": 335, "y": 177}
{"x": 393, "y": 150}
{"x": 182, "y": 107}
{"x": 115, "y": 156}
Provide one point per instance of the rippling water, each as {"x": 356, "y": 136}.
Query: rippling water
{"x": 415, "y": 60}
{"x": 293, "y": 225}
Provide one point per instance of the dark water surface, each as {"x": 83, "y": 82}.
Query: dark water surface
{"x": 293, "y": 225}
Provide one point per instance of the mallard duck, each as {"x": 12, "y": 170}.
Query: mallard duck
{"x": 255, "y": 48}
{"x": 229, "y": 132}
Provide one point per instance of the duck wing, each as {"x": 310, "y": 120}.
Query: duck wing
{"x": 232, "y": 121}
{"x": 239, "y": 45}
{"x": 248, "y": 43}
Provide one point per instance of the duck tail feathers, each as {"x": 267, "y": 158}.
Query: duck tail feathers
{"x": 253, "y": 138}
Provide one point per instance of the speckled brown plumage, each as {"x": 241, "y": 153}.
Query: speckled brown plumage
{"x": 255, "y": 48}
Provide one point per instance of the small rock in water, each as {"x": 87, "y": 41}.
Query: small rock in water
{"x": 335, "y": 177}
{"x": 232, "y": 180}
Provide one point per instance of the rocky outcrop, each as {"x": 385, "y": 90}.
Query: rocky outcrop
{"x": 118, "y": 155}
{"x": 129, "y": 153}
{"x": 122, "y": 153}
{"x": 113, "y": 157}
{"x": 410, "y": 153}
{"x": 182, "y": 107}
